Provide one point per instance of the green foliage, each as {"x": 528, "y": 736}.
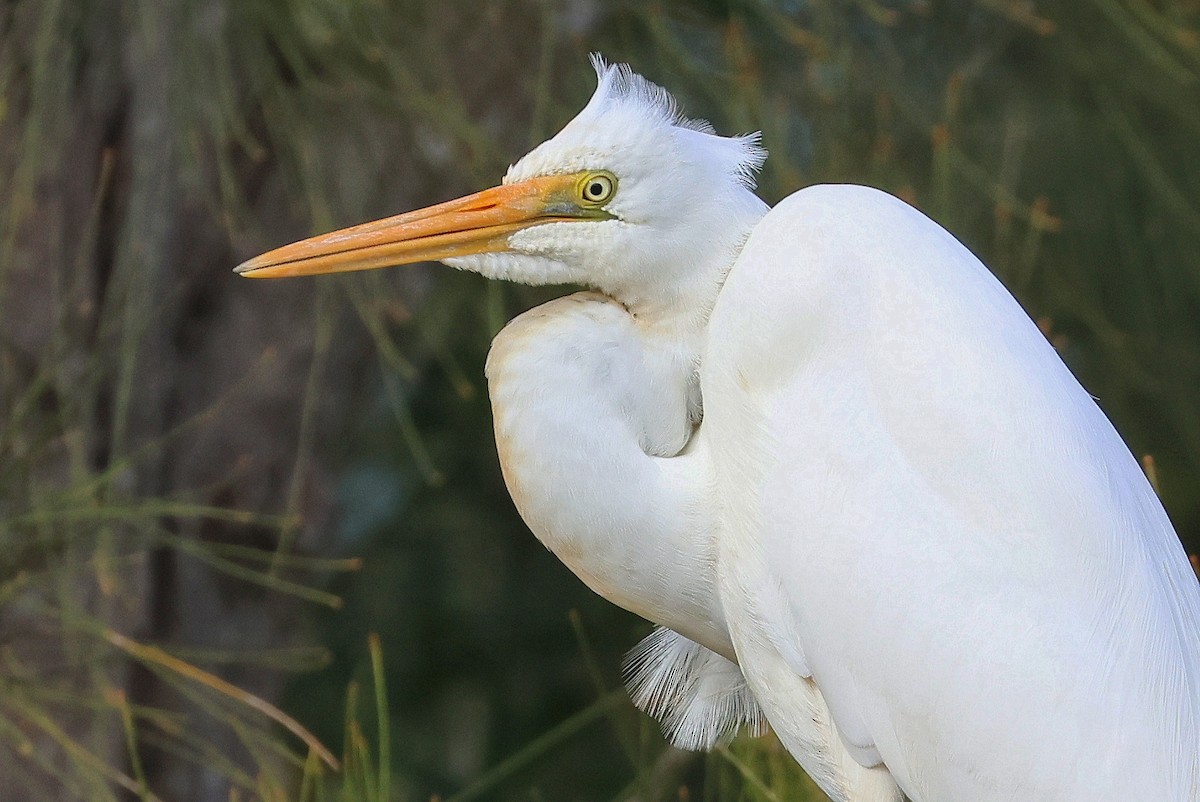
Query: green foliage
{"x": 76, "y": 534}
{"x": 758, "y": 771}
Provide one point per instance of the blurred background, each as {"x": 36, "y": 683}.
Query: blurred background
{"x": 213, "y": 491}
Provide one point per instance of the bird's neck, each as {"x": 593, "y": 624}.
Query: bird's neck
{"x": 590, "y": 404}
{"x": 673, "y": 292}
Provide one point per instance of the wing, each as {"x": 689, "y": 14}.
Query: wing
{"x": 929, "y": 518}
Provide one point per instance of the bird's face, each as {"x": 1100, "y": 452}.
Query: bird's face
{"x": 626, "y": 198}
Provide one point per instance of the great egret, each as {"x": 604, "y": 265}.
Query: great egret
{"x": 827, "y": 452}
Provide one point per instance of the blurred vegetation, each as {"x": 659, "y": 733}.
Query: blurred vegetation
{"x": 192, "y": 466}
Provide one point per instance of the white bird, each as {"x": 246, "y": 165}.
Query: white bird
{"x": 824, "y": 449}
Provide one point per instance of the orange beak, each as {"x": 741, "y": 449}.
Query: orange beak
{"x": 479, "y": 223}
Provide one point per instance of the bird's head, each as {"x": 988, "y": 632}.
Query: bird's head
{"x": 629, "y": 197}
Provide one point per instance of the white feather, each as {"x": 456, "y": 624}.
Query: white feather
{"x": 700, "y": 698}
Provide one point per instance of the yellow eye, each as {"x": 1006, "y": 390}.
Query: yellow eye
{"x": 597, "y": 188}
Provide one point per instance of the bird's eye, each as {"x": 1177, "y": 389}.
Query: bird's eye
{"x": 597, "y": 188}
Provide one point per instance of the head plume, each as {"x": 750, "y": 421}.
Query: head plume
{"x": 627, "y": 108}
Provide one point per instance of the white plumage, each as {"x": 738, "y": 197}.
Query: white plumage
{"x": 830, "y": 455}
{"x": 700, "y": 697}
{"x": 977, "y": 574}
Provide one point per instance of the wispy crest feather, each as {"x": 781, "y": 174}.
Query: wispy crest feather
{"x": 618, "y": 84}
{"x": 628, "y": 113}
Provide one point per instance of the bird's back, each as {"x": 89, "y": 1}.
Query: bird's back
{"x": 929, "y": 516}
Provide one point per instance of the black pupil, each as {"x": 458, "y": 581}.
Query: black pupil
{"x": 595, "y": 189}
